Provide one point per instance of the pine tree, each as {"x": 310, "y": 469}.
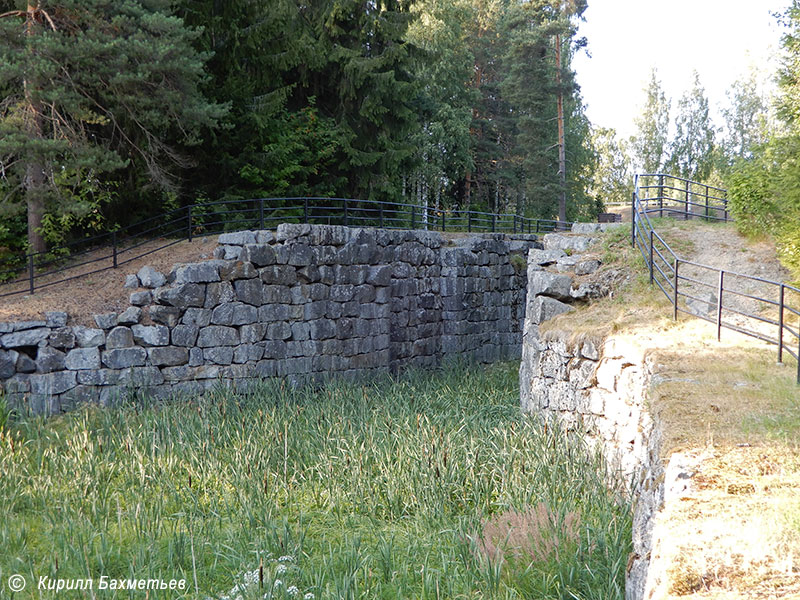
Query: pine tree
{"x": 89, "y": 87}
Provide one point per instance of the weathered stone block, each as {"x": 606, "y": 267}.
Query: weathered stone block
{"x": 253, "y": 333}
{"x": 88, "y": 337}
{"x": 142, "y": 298}
{"x": 131, "y": 282}
{"x": 62, "y": 338}
{"x": 218, "y": 293}
{"x": 230, "y": 270}
{"x": 259, "y": 255}
{"x": 549, "y": 284}
{"x": 151, "y": 335}
{"x": 181, "y": 296}
{"x": 184, "y": 335}
{"x": 248, "y": 353}
{"x": 277, "y": 294}
{"x": 279, "y": 275}
{"x": 119, "y": 337}
{"x": 53, "y": 383}
{"x": 83, "y": 358}
{"x": 249, "y": 291}
{"x": 221, "y": 355}
{"x": 165, "y": 315}
{"x": 234, "y": 313}
{"x": 278, "y": 331}
{"x": 197, "y": 316}
{"x": 168, "y": 356}
{"x": 130, "y": 316}
{"x": 201, "y": 272}
{"x": 8, "y": 363}
{"x": 28, "y": 337}
{"x": 123, "y": 358}
{"x": 150, "y": 278}
{"x": 587, "y": 267}
{"x": 237, "y": 238}
{"x": 56, "y": 318}
{"x": 215, "y": 335}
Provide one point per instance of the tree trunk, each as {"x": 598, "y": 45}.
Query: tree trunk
{"x": 35, "y": 180}
{"x": 562, "y": 159}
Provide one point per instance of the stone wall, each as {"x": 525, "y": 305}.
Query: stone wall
{"x": 596, "y": 386}
{"x": 304, "y": 303}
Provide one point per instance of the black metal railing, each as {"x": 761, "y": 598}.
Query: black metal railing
{"x": 777, "y": 302}
{"x": 37, "y": 271}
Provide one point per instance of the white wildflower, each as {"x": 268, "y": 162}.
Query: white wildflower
{"x": 286, "y": 558}
{"x": 278, "y": 583}
{"x": 308, "y": 596}
{"x": 281, "y": 569}
{"x": 292, "y": 590}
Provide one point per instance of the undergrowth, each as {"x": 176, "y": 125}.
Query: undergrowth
{"x": 378, "y": 490}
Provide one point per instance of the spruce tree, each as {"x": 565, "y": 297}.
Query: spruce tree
{"x": 650, "y": 145}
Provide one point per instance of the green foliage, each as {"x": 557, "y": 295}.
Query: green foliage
{"x": 613, "y": 177}
{"x": 91, "y": 87}
{"x": 372, "y": 491}
{"x": 650, "y": 144}
{"x": 692, "y": 147}
{"x": 750, "y": 197}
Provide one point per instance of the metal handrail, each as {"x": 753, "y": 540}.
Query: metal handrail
{"x": 203, "y": 219}
{"x": 643, "y": 234}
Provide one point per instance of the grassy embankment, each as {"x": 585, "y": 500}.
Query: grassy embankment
{"x": 379, "y": 490}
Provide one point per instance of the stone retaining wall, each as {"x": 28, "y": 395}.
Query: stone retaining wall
{"x": 303, "y": 303}
{"x": 596, "y": 386}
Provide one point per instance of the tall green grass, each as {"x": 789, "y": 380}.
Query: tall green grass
{"x": 375, "y": 490}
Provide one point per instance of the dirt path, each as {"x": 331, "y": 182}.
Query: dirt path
{"x": 720, "y": 246}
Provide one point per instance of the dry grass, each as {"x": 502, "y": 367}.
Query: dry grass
{"x": 734, "y": 534}
{"x": 532, "y": 535}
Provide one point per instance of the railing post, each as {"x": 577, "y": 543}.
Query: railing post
{"x": 780, "y": 324}
{"x": 413, "y": 217}
{"x": 686, "y": 203}
{"x": 651, "y": 257}
{"x": 514, "y": 224}
{"x": 30, "y": 272}
{"x": 725, "y": 213}
{"x": 344, "y": 200}
{"x": 660, "y": 195}
{"x": 675, "y": 293}
{"x": 798, "y": 363}
{"x": 189, "y": 219}
{"x": 305, "y": 210}
{"x": 469, "y": 221}
{"x": 380, "y": 216}
{"x": 443, "y": 222}
{"x": 114, "y": 246}
{"x": 706, "y": 203}
{"x": 261, "y": 213}
{"x": 493, "y": 222}
{"x": 719, "y": 304}
{"x": 537, "y": 225}
{"x": 633, "y": 220}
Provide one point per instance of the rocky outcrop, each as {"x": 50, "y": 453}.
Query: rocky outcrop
{"x": 305, "y": 302}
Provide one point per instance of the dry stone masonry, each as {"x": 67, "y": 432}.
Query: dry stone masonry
{"x": 304, "y": 303}
{"x": 592, "y": 385}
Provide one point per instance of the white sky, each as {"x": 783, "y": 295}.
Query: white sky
{"x": 721, "y": 39}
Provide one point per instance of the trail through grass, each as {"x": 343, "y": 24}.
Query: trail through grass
{"x": 376, "y": 490}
